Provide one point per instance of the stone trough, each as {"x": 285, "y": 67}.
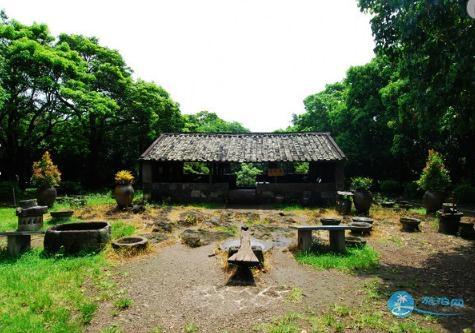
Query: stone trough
{"x": 77, "y": 237}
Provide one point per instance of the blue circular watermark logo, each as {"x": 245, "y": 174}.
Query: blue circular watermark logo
{"x": 471, "y": 8}
{"x": 401, "y": 304}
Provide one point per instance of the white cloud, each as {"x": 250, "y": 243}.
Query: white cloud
{"x": 253, "y": 61}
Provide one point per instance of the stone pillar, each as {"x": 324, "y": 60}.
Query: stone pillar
{"x": 304, "y": 239}
{"x": 337, "y": 240}
{"x": 18, "y": 244}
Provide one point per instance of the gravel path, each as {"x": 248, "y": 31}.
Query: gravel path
{"x": 180, "y": 285}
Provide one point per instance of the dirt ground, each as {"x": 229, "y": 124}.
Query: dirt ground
{"x": 176, "y": 285}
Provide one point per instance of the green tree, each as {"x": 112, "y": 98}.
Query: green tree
{"x": 33, "y": 70}
{"x": 432, "y": 43}
{"x": 209, "y": 122}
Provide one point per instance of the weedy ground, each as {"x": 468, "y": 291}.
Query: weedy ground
{"x": 42, "y": 293}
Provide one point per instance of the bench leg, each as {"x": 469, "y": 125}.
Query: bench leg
{"x": 337, "y": 240}
{"x": 18, "y": 244}
{"x": 304, "y": 239}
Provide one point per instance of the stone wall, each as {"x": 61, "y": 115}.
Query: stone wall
{"x": 189, "y": 192}
{"x": 300, "y": 193}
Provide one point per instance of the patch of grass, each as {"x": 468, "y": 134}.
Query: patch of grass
{"x": 112, "y": 329}
{"x": 207, "y": 205}
{"x": 355, "y": 258}
{"x": 288, "y": 207}
{"x": 191, "y": 328}
{"x": 419, "y": 210}
{"x": 123, "y": 303}
{"x": 8, "y": 219}
{"x": 288, "y": 323}
{"x": 121, "y": 229}
{"x": 231, "y": 230}
{"x": 157, "y": 329}
{"x": 45, "y": 294}
{"x": 295, "y": 295}
{"x": 95, "y": 199}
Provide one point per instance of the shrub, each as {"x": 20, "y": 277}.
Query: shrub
{"x": 246, "y": 176}
{"x": 361, "y": 183}
{"x": 390, "y": 187}
{"x": 195, "y": 168}
{"x": 6, "y": 194}
{"x": 302, "y": 168}
{"x": 434, "y": 176}
{"x": 70, "y": 188}
{"x": 124, "y": 177}
{"x": 464, "y": 193}
{"x": 45, "y": 173}
{"x": 411, "y": 190}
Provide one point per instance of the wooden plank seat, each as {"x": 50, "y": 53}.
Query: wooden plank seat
{"x": 19, "y": 241}
{"x": 245, "y": 255}
{"x": 337, "y": 236}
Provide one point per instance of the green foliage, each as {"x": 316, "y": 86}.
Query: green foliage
{"x": 123, "y": 303}
{"x": 361, "y": 183}
{"x": 434, "y": 176}
{"x": 411, "y": 190}
{"x": 121, "y": 229}
{"x": 44, "y": 294}
{"x": 8, "y": 219}
{"x": 45, "y": 172}
{"x": 464, "y": 193}
{"x": 430, "y": 44}
{"x": 246, "y": 176}
{"x": 390, "y": 187}
{"x": 195, "y": 168}
{"x": 6, "y": 191}
{"x": 302, "y": 167}
{"x": 191, "y": 328}
{"x": 209, "y": 122}
{"x": 78, "y": 96}
{"x": 356, "y": 258}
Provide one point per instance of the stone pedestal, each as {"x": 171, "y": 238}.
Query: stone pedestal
{"x": 18, "y": 244}
{"x": 337, "y": 240}
{"x": 304, "y": 240}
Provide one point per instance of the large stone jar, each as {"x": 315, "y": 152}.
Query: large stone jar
{"x": 124, "y": 195}
{"x": 362, "y": 200}
{"x": 432, "y": 201}
{"x": 46, "y": 196}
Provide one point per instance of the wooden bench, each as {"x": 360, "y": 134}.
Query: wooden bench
{"x": 337, "y": 236}
{"x": 19, "y": 241}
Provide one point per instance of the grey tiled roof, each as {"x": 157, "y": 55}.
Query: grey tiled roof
{"x": 249, "y": 147}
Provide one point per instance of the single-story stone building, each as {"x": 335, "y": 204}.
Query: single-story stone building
{"x": 164, "y": 178}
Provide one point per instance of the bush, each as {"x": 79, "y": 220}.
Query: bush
{"x": 246, "y": 176}
{"x": 411, "y": 190}
{"x": 45, "y": 172}
{"x": 124, "y": 177}
{"x": 390, "y": 187}
{"x": 6, "y": 194}
{"x": 464, "y": 193}
{"x": 435, "y": 176}
{"x": 361, "y": 183}
{"x": 70, "y": 188}
{"x": 302, "y": 168}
